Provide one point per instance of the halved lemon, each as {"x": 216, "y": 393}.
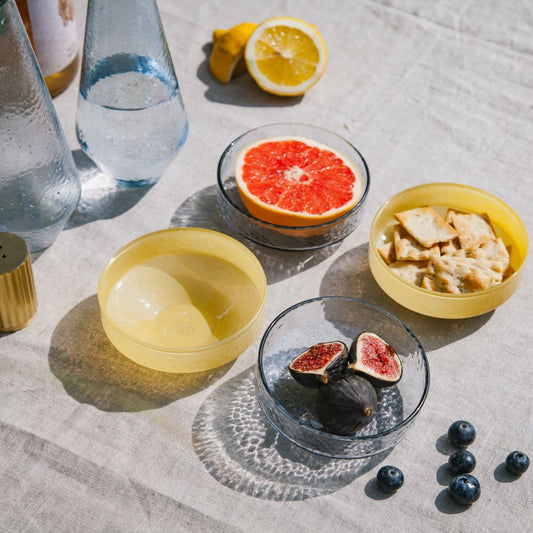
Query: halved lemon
{"x": 285, "y": 56}
{"x": 227, "y": 57}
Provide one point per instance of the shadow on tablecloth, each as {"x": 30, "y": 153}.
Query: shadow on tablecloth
{"x": 102, "y": 197}
{"x": 240, "y": 449}
{"x": 241, "y": 91}
{"x": 94, "y": 372}
{"x": 201, "y": 210}
{"x": 350, "y": 275}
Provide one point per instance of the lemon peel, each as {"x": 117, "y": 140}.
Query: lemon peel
{"x": 227, "y": 57}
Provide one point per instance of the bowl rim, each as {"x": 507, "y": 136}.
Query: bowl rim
{"x": 270, "y": 225}
{"x": 192, "y": 350}
{"x": 318, "y": 432}
{"x": 429, "y": 292}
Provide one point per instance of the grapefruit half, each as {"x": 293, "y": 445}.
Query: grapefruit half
{"x": 295, "y": 181}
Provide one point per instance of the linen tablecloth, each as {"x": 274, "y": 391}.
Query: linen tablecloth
{"x": 89, "y": 441}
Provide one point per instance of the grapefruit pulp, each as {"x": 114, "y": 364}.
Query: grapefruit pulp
{"x": 296, "y": 182}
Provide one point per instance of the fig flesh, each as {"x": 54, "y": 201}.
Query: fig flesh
{"x": 375, "y": 359}
{"x": 346, "y": 404}
{"x": 318, "y": 364}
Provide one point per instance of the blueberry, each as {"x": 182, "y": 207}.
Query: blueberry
{"x": 461, "y": 462}
{"x": 390, "y": 478}
{"x": 461, "y": 433}
{"x": 464, "y": 489}
{"x": 517, "y": 462}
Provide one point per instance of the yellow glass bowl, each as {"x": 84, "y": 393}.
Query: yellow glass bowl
{"x": 506, "y": 223}
{"x": 205, "y": 290}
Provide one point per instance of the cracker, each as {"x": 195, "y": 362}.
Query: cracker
{"x": 510, "y": 270}
{"x": 431, "y": 282}
{"x": 387, "y": 252}
{"x": 426, "y": 226}
{"x": 497, "y": 267}
{"x": 410, "y": 271}
{"x": 494, "y": 251}
{"x": 457, "y": 275}
{"x": 408, "y": 248}
{"x": 450, "y": 247}
{"x": 466, "y": 259}
{"x": 473, "y": 230}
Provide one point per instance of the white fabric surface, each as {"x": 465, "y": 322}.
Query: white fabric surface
{"x": 428, "y": 91}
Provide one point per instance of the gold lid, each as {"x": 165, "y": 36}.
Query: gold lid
{"x": 18, "y": 301}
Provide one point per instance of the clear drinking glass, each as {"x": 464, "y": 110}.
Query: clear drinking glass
{"x": 130, "y": 119}
{"x": 39, "y": 182}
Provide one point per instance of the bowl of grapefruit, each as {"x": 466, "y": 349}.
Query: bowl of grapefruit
{"x": 292, "y": 186}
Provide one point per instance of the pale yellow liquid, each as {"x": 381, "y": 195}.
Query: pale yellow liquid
{"x": 211, "y": 301}
{"x": 59, "y": 81}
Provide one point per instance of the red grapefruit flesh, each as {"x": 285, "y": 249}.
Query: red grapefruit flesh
{"x": 295, "y": 181}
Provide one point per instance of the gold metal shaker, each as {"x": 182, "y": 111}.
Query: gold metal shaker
{"x": 18, "y": 300}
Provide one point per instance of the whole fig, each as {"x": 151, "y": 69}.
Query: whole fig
{"x": 346, "y": 404}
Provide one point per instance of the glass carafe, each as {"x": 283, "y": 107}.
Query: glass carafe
{"x": 130, "y": 119}
{"x": 39, "y": 183}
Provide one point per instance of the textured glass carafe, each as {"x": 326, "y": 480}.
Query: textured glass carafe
{"x": 39, "y": 183}
{"x": 130, "y": 118}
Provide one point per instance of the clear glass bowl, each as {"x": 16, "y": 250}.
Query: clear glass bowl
{"x": 289, "y": 407}
{"x": 286, "y": 237}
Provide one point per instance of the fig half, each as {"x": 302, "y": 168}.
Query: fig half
{"x": 318, "y": 364}
{"x": 346, "y": 404}
{"x": 375, "y": 359}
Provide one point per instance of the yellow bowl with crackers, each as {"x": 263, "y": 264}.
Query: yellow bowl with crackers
{"x": 447, "y": 250}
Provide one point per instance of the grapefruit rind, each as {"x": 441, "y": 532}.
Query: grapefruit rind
{"x": 271, "y": 213}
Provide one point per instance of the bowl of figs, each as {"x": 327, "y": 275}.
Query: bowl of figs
{"x": 341, "y": 377}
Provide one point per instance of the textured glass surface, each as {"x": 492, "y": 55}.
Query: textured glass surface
{"x": 39, "y": 184}
{"x": 284, "y": 237}
{"x": 290, "y": 407}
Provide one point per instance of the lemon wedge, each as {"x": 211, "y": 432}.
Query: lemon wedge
{"x": 227, "y": 57}
{"x": 285, "y": 56}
